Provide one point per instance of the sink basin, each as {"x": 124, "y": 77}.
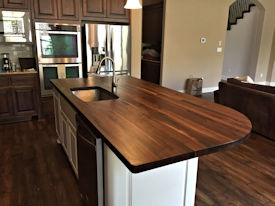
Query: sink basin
{"x": 91, "y": 94}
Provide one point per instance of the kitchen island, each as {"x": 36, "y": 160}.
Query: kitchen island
{"x": 152, "y": 138}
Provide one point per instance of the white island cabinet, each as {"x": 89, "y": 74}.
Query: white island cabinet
{"x": 170, "y": 185}
{"x": 151, "y": 138}
{"x": 65, "y": 125}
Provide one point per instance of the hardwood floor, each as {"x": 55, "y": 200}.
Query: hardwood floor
{"x": 242, "y": 176}
{"x": 34, "y": 171}
{"x": 33, "y": 167}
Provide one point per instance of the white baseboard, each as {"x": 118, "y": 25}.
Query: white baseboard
{"x": 209, "y": 89}
{"x": 204, "y": 90}
{"x": 262, "y": 83}
{"x": 266, "y": 83}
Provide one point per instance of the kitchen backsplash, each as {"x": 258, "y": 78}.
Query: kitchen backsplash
{"x": 16, "y": 51}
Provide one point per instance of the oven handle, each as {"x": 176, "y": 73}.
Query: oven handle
{"x": 60, "y": 32}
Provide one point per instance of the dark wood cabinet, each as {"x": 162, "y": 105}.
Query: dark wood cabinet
{"x": 5, "y": 103}
{"x": 45, "y": 9}
{"x": 68, "y": 9}
{"x": 57, "y": 9}
{"x": 105, "y": 10}
{"x": 152, "y": 21}
{"x": 115, "y": 9}
{"x": 1, "y": 3}
{"x": 19, "y": 98}
{"x": 150, "y": 71}
{"x": 15, "y": 4}
{"x": 24, "y": 100}
{"x": 94, "y": 8}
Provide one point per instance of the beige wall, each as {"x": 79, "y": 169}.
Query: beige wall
{"x": 273, "y": 74}
{"x": 265, "y": 53}
{"x": 136, "y": 42}
{"x": 186, "y": 21}
{"x": 271, "y": 71}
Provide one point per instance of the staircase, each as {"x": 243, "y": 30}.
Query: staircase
{"x": 237, "y": 11}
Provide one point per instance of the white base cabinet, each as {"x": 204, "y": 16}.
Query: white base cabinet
{"x": 174, "y": 184}
{"x": 65, "y": 124}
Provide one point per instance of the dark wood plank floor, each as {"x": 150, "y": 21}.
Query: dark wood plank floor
{"x": 33, "y": 167}
{"x": 242, "y": 176}
{"x": 34, "y": 171}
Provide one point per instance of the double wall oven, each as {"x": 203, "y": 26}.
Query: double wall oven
{"x": 58, "y": 52}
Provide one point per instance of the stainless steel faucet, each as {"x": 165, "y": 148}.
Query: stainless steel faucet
{"x": 114, "y": 81}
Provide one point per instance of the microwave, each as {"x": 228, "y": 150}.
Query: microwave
{"x": 15, "y": 26}
{"x": 58, "y": 43}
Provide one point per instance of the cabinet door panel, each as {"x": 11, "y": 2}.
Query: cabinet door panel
{"x": 5, "y": 102}
{"x": 1, "y": 3}
{"x": 61, "y": 135}
{"x": 150, "y": 71}
{"x": 68, "y": 9}
{"x": 4, "y": 81}
{"x": 116, "y": 9}
{"x": 73, "y": 149}
{"x": 94, "y": 8}
{"x": 57, "y": 114}
{"x": 24, "y": 100}
{"x": 66, "y": 135}
{"x": 46, "y": 9}
{"x": 16, "y": 4}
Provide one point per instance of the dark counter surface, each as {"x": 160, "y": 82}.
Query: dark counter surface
{"x": 18, "y": 73}
{"x": 150, "y": 126}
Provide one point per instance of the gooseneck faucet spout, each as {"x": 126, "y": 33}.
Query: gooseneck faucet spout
{"x": 114, "y": 82}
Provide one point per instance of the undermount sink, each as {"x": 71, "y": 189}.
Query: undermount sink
{"x": 91, "y": 94}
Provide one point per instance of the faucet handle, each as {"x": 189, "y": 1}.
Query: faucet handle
{"x": 115, "y": 81}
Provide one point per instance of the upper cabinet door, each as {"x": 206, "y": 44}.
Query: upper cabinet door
{"x": 116, "y": 9}
{"x": 94, "y": 8}
{"x": 68, "y": 9}
{"x": 15, "y": 4}
{"x": 1, "y": 3}
{"x": 45, "y": 9}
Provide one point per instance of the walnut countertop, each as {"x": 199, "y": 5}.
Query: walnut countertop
{"x": 150, "y": 126}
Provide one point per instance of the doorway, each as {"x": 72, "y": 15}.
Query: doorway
{"x": 152, "y": 24}
{"x": 243, "y": 40}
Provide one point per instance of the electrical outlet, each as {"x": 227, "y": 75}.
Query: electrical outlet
{"x": 219, "y": 49}
{"x": 261, "y": 75}
{"x": 203, "y": 40}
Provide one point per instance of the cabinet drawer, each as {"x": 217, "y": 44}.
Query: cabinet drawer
{"x": 68, "y": 110}
{"x": 21, "y": 80}
{"x": 4, "y": 81}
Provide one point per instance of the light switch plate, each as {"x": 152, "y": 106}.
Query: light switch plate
{"x": 219, "y": 49}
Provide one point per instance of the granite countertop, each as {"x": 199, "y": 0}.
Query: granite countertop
{"x": 150, "y": 126}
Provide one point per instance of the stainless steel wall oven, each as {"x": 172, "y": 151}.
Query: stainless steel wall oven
{"x": 56, "y": 71}
{"x": 58, "y": 43}
{"x": 58, "y": 52}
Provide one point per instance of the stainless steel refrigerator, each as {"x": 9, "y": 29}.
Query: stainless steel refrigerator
{"x": 103, "y": 40}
